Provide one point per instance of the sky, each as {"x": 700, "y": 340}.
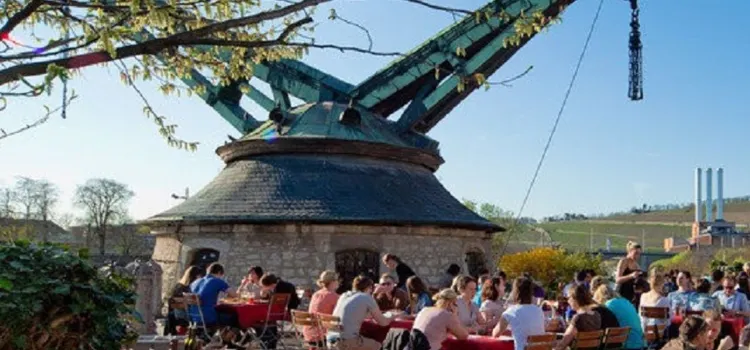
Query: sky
{"x": 608, "y": 154}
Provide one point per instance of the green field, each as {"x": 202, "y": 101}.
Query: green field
{"x": 577, "y": 235}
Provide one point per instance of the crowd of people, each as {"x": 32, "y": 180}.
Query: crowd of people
{"x": 460, "y": 305}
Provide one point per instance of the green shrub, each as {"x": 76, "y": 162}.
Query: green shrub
{"x": 53, "y": 299}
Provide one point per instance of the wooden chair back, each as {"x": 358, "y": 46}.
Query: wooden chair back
{"x": 588, "y": 340}
{"x": 654, "y": 334}
{"x": 614, "y": 338}
{"x": 301, "y": 318}
{"x": 661, "y": 313}
{"x": 553, "y": 326}
{"x": 191, "y": 299}
{"x": 330, "y": 323}
{"x": 178, "y": 303}
{"x": 540, "y": 342}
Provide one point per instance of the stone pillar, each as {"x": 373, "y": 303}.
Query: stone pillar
{"x": 148, "y": 281}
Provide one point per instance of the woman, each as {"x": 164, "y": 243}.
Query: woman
{"x": 438, "y": 321}
{"x": 492, "y": 306}
{"x": 654, "y": 298}
{"x": 628, "y": 272}
{"x": 702, "y": 300}
{"x": 468, "y": 312}
{"x": 694, "y": 334}
{"x": 523, "y": 317}
{"x": 178, "y": 317}
{"x": 678, "y": 300}
{"x": 419, "y": 297}
{"x": 585, "y": 319}
{"x": 322, "y": 302}
{"x": 403, "y": 271}
{"x": 626, "y": 315}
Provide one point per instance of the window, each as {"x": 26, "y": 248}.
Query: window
{"x": 354, "y": 262}
{"x": 203, "y": 257}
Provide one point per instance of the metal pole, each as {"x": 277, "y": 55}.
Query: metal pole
{"x": 591, "y": 240}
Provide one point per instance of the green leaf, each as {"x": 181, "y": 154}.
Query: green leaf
{"x": 6, "y": 284}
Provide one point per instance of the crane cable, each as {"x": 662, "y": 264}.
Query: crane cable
{"x": 557, "y": 122}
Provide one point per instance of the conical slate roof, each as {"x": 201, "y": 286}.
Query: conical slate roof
{"x": 313, "y": 169}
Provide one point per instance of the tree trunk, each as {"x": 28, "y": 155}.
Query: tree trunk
{"x": 101, "y": 232}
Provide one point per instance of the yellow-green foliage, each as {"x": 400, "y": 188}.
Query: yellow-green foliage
{"x": 549, "y": 266}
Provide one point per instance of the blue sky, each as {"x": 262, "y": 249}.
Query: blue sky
{"x": 609, "y": 153}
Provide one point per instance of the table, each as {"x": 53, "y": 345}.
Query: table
{"x": 479, "y": 342}
{"x": 252, "y": 314}
{"x": 732, "y": 325}
{"x": 370, "y": 329}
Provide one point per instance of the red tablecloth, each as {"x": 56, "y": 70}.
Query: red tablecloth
{"x": 479, "y": 342}
{"x": 372, "y": 330}
{"x": 733, "y": 325}
{"x": 249, "y": 315}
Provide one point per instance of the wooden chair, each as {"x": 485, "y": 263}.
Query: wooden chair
{"x": 195, "y": 301}
{"x": 273, "y": 324}
{"x": 301, "y": 319}
{"x": 540, "y": 342}
{"x": 331, "y": 324}
{"x": 654, "y": 336}
{"x": 588, "y": 340}
{"x": 615, "y": 338}
{"x": 660, "y": 313}
{"x": 553, "y": 326}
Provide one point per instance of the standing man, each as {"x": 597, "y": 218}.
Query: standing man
{"x": 403, "y": 271}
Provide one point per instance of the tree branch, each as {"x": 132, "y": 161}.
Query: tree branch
{"x": 441, "y": 8}
{"x": 20, "y": 16}
{"x": 38, "y": 122}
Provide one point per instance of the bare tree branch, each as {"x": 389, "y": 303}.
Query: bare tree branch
{"x": 442, "y": 8}
{"x": 38, "y": 122}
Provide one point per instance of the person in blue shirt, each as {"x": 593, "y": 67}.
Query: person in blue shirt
{"x": 419, "y": 297}
{"x": 732, "y": 303}
{"x": 208, "y": 289}
{"x": 484, "y": 275}
{"x": 625, "y": 312}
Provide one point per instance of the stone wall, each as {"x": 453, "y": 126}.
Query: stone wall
{"x": 298, "y": 253}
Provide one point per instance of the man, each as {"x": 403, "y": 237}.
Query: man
{"x": 353, "y": 308}
{"x": 403, "y": 271}
{"x": 447, "y": 280}
{"x": 733, "y": 303}
{"x": 579, "y": 278}
{"x": 717, "y": 278}
{"x": 251, "y": 283}
{"x": 270, "y": 284}
{"x": 388, "y": 297}
{"x": 208, "y": 289}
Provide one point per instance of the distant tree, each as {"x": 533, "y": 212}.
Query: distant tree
{"x": 103, "y": 201}
{"x": 46, "y": 196}
{"x": 7, "y": 203}
{"x": 472, "y": 205}
{"x": 26, "y": 195}
{"x": 64, "y": 220}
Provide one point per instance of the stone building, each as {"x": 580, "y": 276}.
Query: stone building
{"x": 320, "y": 189}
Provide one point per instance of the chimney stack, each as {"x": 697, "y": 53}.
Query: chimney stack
{"x": 709, "y": 196}
{"x": 720, "y": 194}
{"x": 698, "y": 194}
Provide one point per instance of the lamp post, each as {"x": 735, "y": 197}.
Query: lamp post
{"x": 185, "y": 197}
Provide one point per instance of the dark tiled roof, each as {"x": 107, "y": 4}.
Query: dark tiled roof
{"x": 326, "y": 189}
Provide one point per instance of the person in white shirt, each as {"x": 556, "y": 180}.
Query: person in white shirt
{"x": 524, "y": 317}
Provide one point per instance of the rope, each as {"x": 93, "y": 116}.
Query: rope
{"x": 64, "y": 112}
{"x": 557, "y": 121}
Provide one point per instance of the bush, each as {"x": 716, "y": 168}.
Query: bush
{"x": 550, "y": 266}
{"x": 53, "y": 299}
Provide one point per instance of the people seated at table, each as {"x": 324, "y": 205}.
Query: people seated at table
{"x": 585, "y": 319}
{"x": 353, "y": 308}
{"x": 468, "y": 312}
{"x": 694, "y": 335}
{"x": 447, "y": 280}
{"x": 436, "y": 322}
{"x": 701, "y": 299}
{"x": 419, "y": 296}
{"x": 678, "y": 300}
{"x": 625, "y": 312}
{"x": 208, "y": 289}
{"x": 250, "y": 285}
{"x": 493, "y": 304}
{"x": 271, "y": 284}
{"x": 388, "y": 296}
{"x": 655, "y": 297}
{"x": 402, "y": 270}
{"x": 732, "y": 303}
{"x": 178, "y": 316}
{"x": 522, "y": 317}
{"x": 322, "y": 302}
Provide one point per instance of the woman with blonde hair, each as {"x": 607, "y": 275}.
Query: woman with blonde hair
{"x": 628, "y": 273}
{"x": 322, "y": 302}
{"x": 655, "y": 297}
{"x": 625, "y": 312}
{"x": 178, "y": 317}
{"x": 436, "y": 322}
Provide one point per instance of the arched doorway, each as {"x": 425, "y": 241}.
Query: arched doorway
{"x": 475, "y": 261}
{"x": 203, "y": 257}
{"x": 351, "y": 263}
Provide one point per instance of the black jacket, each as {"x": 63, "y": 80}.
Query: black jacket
{"x": 285, "y": 287}
{"x": 403, "y": 339}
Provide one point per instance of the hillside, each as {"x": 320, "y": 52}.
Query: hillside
{"x": 654, "y": 227}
